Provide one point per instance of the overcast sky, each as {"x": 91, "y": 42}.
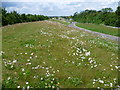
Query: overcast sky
{"x": 57, "y": 7}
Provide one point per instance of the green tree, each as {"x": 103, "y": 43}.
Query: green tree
{"x": 104, "y": 16}
{"x": 106, "y": 10}
{"x": 4, "y": 14}
{"x": 118, "y": 16}
{"x": 14, "y": 17}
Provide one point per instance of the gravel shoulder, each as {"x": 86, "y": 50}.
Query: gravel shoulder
{"x": 114, "y": 38}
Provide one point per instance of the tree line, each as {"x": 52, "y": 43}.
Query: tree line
{"x": 13, "y": 17}
{"x": 104, "y": 16}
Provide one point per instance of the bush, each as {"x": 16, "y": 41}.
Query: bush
{"x": 14, "y": 17}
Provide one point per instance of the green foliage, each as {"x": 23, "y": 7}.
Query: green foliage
{"x": 118, "y": 16}
{"x": 47, "y": 82}
{"x": 75, "y": 81}
{"x": 105, "y": 10}
{"x": 104, "y": 16}
{"x": 9, "y": 83}
{"x": 14, "y": 17}
{"x": 29, "y": 42}
{"x": 99, "y": 28}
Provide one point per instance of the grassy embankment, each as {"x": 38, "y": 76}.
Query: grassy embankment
{"x": 99, "y": 28}
{"x": 0, "y": 57}
{"x": 65, "y": 22}
{"x": 47, "y": 55}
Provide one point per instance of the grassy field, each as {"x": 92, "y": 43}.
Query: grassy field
{"x": 0, "y": 58}
{"x": 99, "y": 28}
{"x": 47, "y": 54}
{"x": 64, "y": 22}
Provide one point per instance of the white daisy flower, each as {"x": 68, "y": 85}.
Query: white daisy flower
{"x": 116, "y": 67}
{"x": 31, "y": 54}
{"x": 111, "y": 84}
{"x": 24, "y": 73}
{"x": 51, "y": 81}
{"x": 23, "y": 69}
{"x": 47, "y": 68}
{"x": 57, "y": 70}
{"x": 41, "y": 78}
{"x": 93, "y": 82}
{"x": 112, "y": 69}
{"x": 101, "y": 81}
{"x": 104, "y": 69}
{"x": 53, "y": 86}
{"x": 34, "y": 77}
{"x": 36, "y": 56}
{"x": 18, "y": 86}
{"x": 87, "y": 53}
{"x": 8, "y": 78}
{"x": 14, "y": 61}
{"x": 26, "y": 82}
{"x": 30, "y": 57}
{"x": 28, "y": 60}
{"x": 28, "y": 87}
{"x": 69, "y": 77}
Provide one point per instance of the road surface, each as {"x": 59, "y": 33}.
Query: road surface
{"x": 115, "y": 38}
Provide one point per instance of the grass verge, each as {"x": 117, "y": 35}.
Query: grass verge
{"x": 99, "y": 28}
{"x": 61, "y": 21}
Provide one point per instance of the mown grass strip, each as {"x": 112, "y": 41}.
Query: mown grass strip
{"x": 99, "y": 28}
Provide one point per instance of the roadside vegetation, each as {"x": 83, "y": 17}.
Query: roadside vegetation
{"x": 99, "y": 28}
{"x": 62, "y": 21}
{"x": 104, "y": 16}
{"x": 9, "y": 18}
{"x": 47, "y": 54}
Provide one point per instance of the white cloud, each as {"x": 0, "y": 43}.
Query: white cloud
{"x": 90, "y": 8}
{"x": 60, "y": 1}
{"x": 58, "y": 8}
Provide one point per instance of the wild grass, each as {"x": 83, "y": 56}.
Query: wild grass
{"x": 64, "y": 22}
{"x": 47, "y": 54}
{"x": 0, "y": 58}
{"x": 99, "y": 28}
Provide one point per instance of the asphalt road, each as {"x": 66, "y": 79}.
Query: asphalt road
{"x": 115, "y": 38}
